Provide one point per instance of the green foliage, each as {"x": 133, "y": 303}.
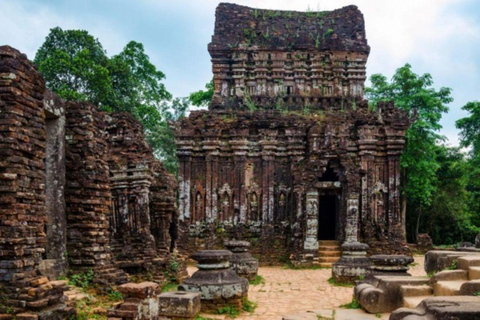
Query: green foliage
{"x": 169, "y": 286}
{"x": 329, "y": 32}
{"x": 258, "y": 280}
{"x": 114, "y": 295}
{"x": 249, "y": 306}
{"x": 453, "y": 265}
{"x": 352, "y": 305}
{"x": 76, "y": 67}
{"x": 229, "y": 310}
{"x": 448, "y": 219}
{"x": 470, "y": 138}
{"x": 82, "y": 279}
{"x": 202, "y": 98}
{"x": 477, "y": 293}
{"x": 333, "y": 282}
{"x": 416, "y": 95}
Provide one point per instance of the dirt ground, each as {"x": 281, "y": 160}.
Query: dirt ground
{"x": 288, "y": 291}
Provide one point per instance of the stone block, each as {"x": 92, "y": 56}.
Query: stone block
{"x": 139, "y": 290}
{"x": 179, "y": 304}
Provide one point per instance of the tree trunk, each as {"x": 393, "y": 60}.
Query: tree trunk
{"x": 418, "y": 225}
{"x": 403, "y": 183}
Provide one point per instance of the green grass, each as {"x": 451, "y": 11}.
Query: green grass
{"x": 352, "y": 305}
{"x": 258, "y": 280}
{"x": 249, "y": 306}
{"x": 333, "y": 282}
{"x": 169, "y": 286}
{"x": 230, "y": 311}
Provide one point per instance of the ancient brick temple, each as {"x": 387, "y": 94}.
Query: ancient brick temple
{"x": 80, "y": 189}
{"x": 289, "y": 153}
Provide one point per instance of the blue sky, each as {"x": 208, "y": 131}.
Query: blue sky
{"x": 441, "y": 37}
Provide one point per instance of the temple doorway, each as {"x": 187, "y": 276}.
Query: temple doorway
{"x": 327, "y": 216}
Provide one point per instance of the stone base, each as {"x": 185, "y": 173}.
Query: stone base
{"x": 212, "y": 306}
{"x": 353, "y": 265}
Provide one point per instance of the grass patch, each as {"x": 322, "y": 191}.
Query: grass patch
{"x": 351, "y": 305}
{"x": 258, "y": 280}
{"x": 413, "y": 264}
{"x": 169, "y": 286}
{"x": 249, "y": 306}
{"x": 230, "y": 311}
{"x": 453, "y": 266}
{"x": 333, "y": 282}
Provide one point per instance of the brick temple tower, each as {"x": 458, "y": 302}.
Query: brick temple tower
{"x": 289, "y": 153}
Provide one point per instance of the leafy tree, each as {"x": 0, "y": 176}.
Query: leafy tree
{"x": 76, "y": 67}
{"x": 448, "y": 218}
{"x": 470, "y": 138}
{"x": 202, "y": 98}
{"x": 415, "y": 94}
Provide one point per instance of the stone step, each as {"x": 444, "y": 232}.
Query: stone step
{"x": 413, "y": 302}
{"x": 448, "y": 288}
{"x": 329, "y": 248}
{"x": 329, "y": 243}
{"x": 468, "y": 261}
{"x": 329, "y": 253}
{"x": 328, "y": 259}
{"x": 451, "y": 275}
{"x": 474, "y": 273}
{"x": 325, "y": 264}
{"x": 408, "y": 291}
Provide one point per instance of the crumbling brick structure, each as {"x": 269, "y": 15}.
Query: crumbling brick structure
{"x": 22, "y": 191}
{"x": 80, "y": 189}
{"x": 289, "y": 153}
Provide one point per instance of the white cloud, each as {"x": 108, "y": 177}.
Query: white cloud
{"x": 25, "y": 28}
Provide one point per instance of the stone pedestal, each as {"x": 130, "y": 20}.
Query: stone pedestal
{"x": 242, "y": 261}
{"x": 390, "y": 265}
{"x": 353, "y": 264}
{"x": 218, "y": 284}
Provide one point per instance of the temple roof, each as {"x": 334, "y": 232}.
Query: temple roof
{"x": 342, "y": 29}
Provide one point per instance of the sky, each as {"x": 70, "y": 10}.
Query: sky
{"x": 440, "y": 37}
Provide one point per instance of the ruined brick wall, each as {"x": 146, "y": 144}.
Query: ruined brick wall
{"x": 87, "y": 193}
{"x": 271, "y": 56}
{"x": 143, "y": 199}
{"x": 22, "y": 190}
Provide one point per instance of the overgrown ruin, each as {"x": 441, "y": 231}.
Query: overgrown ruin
{"x": 80, "y": 190}
{"x": 289, "y": 153}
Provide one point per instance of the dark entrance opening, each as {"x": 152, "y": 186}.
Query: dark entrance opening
{"x": 327, "y": 217}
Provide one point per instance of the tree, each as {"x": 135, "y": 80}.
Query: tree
{"x": 470, "y": 138}
{"x": 76, "y": 67}
{"x": 203, "y": 98}
{"x": 425, "y": 105}
{"x": 448, "y": 218}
